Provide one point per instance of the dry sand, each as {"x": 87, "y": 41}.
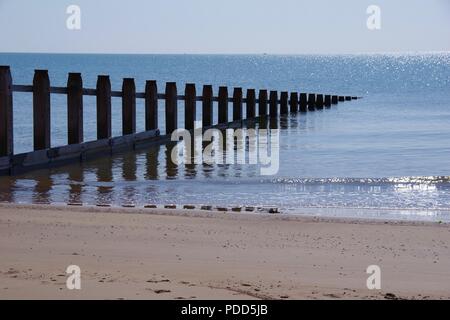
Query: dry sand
{"x": 167, "y": 254}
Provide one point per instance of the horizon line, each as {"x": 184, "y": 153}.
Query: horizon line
{"x": 237, "y": 54}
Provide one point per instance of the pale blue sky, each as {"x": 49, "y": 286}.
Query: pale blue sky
{"x": 231, "y": 26}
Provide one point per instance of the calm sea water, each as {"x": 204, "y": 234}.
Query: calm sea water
{"x": 387, "y": 155}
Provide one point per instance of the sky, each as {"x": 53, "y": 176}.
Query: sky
{"x": 231, "y": 26}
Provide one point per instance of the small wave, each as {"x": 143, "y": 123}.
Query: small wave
{"x": 423, "y": 180}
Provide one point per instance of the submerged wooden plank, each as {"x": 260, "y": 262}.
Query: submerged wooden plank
{"x": 75, "y": 152}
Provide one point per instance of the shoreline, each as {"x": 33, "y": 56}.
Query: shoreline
{"x": 131, "y": 253}
{"x": 217, "y": 214}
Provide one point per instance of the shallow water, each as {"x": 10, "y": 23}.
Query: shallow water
{"x": 387, "y": 155}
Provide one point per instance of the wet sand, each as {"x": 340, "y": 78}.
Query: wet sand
{"x": 175, "y": 254}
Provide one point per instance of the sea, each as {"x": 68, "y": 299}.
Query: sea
{"x": 386, "y": 155}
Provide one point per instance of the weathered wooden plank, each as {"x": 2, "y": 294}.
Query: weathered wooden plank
{"x": 250, "y": 103}
{"x": 311, "y": 102}
{"x": 151, "y": 105}
{"x": 41, "y": 110}
{"x": 319, "y": 101}
{"x": 171, "y": 107}
{"x": 293, "y": 102}
{"x": 207, "y": 106}
{"x": 284, "y": 98}
{"x": 103, "y": 107}
{"x": 75, "y": 108}
{"x": 237, "y": 104}
{"x": 262, "y": 106}
{"x": 273, "y": 103}
{"x": 334, "y": 99}
{"x": 190, "y": 106}
{"x": 303, "y": 102}
{"x": 128, "y": 106}
{"x": 327, "y": 100}
{"x": 223, "y": 105}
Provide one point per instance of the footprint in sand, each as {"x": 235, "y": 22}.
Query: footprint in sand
{"x": 159, "y": 291}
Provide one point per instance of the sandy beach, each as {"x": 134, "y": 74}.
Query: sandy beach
{"x": 173, "y": 254}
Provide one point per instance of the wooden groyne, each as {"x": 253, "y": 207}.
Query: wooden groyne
{"x": 259, "y": 104}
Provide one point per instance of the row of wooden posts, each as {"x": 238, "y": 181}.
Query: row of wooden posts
{"x": 269, "y": 104}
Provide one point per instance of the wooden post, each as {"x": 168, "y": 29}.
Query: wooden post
{"x": 284, "y": 97}
{"x": 311, "y": 102}
{"x": 223, "y": 105}
{"x": 341, "y": 98}
{"x": 128, "y": 106}
{"x": 262, "y": 107}
{"x": 75, "y": 108}
{"x": 207, "y": 106}
{"x": 251, "y": 103}
{"x": 273, "y": 103}
{"x": 190, "y": 105}
{"x": 334, "y": 99}
{"x": 327, "y": 100}
{"x": 171, "y": 107}
{"x": 103, "y": 107}
{"x": 237, "y": 104}
{"x": 6, "y": 112}
{"x": 319, "y": 101}
{"x": 151, "y": 105}
{"x": 293, "y": 102}
{"x": 303, "y": 102}
{"x": 41, "y": 110}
